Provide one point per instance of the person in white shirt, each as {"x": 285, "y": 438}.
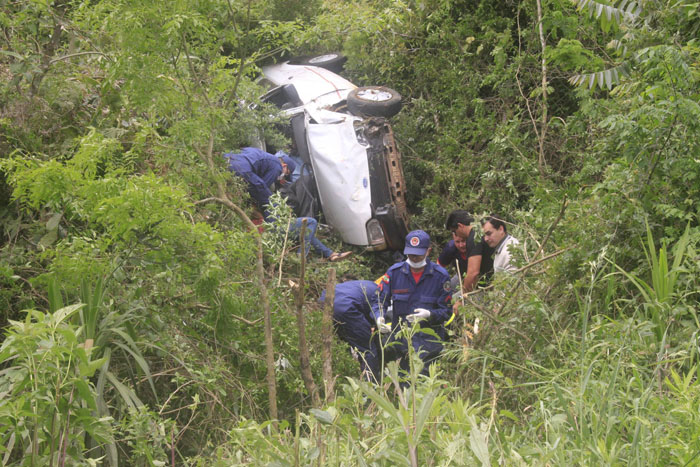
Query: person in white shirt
{"x": 495, "y": 234}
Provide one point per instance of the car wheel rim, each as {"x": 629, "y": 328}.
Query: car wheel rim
{"x": 323, "y": 58}
{"x": 376, "y": 95}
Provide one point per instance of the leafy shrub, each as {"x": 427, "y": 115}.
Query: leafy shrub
{"x": 147, "y": 437}
{"x": 50, "y": 404}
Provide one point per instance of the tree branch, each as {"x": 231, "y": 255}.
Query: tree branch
{"x": 77, "y": 54}
{"x": 543, "y": 128}
{"x": 260, "y": 276}
{"x": 304, "y": 355}
{"x": 544, "y": 242}
{"x": 327, "y": 337}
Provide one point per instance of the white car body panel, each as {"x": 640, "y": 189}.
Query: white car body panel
{"x": 339, "y": 161}
{"x": 342, "y": 177}
{"x": 328, "y": 116}
{"x": 316, "y": 86}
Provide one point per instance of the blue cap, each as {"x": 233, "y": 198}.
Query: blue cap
{"x": 417, "y": 243}
{"x": 291, "y": 165}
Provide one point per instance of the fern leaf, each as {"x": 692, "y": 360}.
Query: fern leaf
{"x": 604, "y": 78}
{"x": 610, "y": 14}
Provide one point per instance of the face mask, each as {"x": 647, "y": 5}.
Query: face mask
{"x": 417, "y": 265}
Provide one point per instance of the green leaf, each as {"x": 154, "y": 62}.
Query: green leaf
{"x": 423, "y": 412}
{"x": 64, "y": 313}
{"x": 479, "y": 445}
{"x": 69, "y": 334}
{"x": 49, "y": 238}
{"x": 608, "y": 78}
{"x": 85, "y": 392}
{"x": 509, "y": 414}
{"x": 128, "y": 394}
{"x": 382, "y": 402}
{"x": 322, "y": 416}
{"x": 12, "y": 54}
{"x": 52, "y": 223}
{"x": 55, "y": 297}
{"x": 89, "y": 369}
{"x": 133, "y": 350}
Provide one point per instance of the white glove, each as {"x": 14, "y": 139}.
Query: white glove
{"x": 382, "y": 326}
{"x": 419, "y": 314}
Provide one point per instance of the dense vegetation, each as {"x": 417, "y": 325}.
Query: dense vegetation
{"x": 134, "y": 290}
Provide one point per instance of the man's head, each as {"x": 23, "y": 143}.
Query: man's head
{"x": 288, "y": 164}
{"x": 460, "y": 243}
{"x": 494, "y": 229}
{"x": 417, "y": 246}
{"x": 459, "y": 222}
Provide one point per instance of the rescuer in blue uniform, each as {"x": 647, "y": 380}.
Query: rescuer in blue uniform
{"x": 260, "y": 170}
{"x": 353, "y": 321}
{"x": 419, "y": 290}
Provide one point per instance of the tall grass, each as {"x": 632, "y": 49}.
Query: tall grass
{"x": 108, "y": 331}
{"x": 605, "y": 388}
{"x": 660, "y": 294}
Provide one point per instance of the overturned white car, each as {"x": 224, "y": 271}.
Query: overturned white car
{"x": 341, "y": 132}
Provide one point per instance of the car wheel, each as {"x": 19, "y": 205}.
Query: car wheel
{"x": 374, "y": 101}
{"x": 331, "y": 61}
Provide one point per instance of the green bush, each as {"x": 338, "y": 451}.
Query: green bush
{"x": 49, "y": 406}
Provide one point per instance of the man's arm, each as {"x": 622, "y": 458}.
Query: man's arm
{"x": 447, "y": 256}
{"x": 473, "y": 267}
{"x": 269, "y": 170}
{"x": 384, "y": 290}
{"x": 507, "y": 264}
{"x": 258, "y": 190}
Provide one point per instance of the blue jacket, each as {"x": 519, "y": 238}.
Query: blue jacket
{"x": 352, "y": 312}
{"x": 432, "y": 292}
{"x": 257, "y": 167}
{"x": 356, "y": 296}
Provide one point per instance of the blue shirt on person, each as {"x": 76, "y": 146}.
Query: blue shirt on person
{"x": 433, "y": 292}
{"x": 259, "y": 168}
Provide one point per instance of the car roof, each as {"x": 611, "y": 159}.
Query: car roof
{"x": 312, "y": 83}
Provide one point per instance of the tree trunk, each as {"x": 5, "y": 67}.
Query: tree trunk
{"x": 327, "y": 337}
{"x": 304, "y": 358}
{"x": 259, "y": 276}
{"x": 543, "y": 127}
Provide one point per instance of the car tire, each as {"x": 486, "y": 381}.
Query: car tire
{"x": 374, "y": 101}
{"x": 331, "y": 61}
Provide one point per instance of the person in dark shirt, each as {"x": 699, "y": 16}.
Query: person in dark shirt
{"x": 454, "y": 253}
{"x": 478, "y": 254}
